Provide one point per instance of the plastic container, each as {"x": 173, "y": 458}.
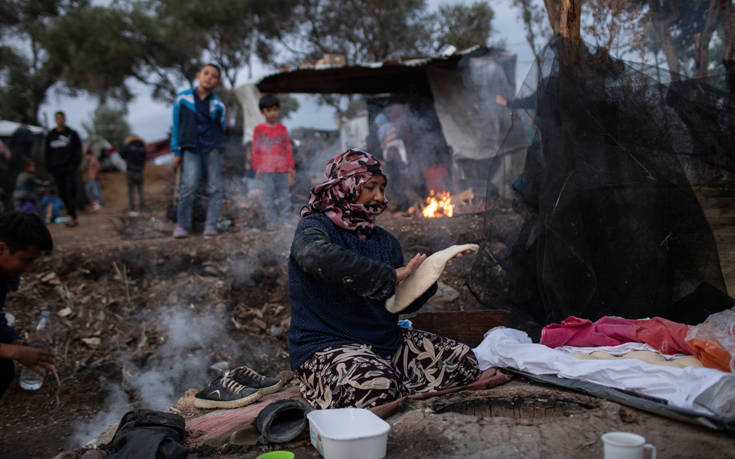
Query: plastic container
{"x": 348, "y": 433}
{"x": 41, "y": 338}
{"x": 277, "y": 455}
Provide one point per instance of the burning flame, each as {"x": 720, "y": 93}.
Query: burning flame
{"x": 438, "y": 208}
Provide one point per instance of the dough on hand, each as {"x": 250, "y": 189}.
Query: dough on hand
{"x": 425, "y": 275}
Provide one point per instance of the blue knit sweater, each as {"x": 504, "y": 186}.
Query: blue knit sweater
{"x": 339, "y": 287}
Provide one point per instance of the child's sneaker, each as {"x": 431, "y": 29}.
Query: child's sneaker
{"x": 209, "y": 232}
{"x": 180, "y": 233}
{"x": 251, "y": 378}
{"x": 225, "y": 392}
{"x": 133, "y": 213}
{"x": 96, "y": 205}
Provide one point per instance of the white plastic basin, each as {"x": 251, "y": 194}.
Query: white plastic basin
{"x": 347, "y": 433}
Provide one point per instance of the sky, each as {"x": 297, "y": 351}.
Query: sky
{"x": 152, "y": 120}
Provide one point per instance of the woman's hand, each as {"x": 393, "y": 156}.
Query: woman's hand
{"x": 466, "y": 252}
{"x": 404, "y": 271}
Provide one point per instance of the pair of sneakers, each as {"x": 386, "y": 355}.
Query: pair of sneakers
{"x": 235, "y": 388}
{"x": 181, "y": 233}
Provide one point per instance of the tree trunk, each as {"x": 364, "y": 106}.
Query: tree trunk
{"x": 728, "y": 60}
{"x": 701, "y": 56}
{"x": 553, "y": 10}
{"x": 662, "y": 25}
{"x": 571, "y": 20}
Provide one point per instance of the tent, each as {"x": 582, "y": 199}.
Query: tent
{"x": 7, "y": 128}
{"x": 446, "y": 104}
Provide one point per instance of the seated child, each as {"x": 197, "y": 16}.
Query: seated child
{"x": 23, "y": 238}
{"x": 26, "y": 185}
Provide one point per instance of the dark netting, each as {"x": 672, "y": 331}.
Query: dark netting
{"x": 604, "y": 218}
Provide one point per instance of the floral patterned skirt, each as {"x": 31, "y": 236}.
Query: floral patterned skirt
{"x": 352, "y": 375}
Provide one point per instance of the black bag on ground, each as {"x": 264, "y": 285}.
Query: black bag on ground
{"x": 149, "y": 434}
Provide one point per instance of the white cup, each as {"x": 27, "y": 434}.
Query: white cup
{"x": 624, "y": 445}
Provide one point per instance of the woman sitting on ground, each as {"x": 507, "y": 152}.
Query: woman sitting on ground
{"x": 346, "y": 349}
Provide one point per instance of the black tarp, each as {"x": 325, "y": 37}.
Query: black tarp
{"x": 609, "y": 223}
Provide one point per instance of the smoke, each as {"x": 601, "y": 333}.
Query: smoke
{"x": 189, "y": 340}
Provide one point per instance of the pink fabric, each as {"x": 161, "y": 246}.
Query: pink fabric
{"x": 662, "y": 334}
{"x": 573, "y": 331}
{"x": 225, "y": 421}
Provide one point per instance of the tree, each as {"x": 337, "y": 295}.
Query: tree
{"x": 179, "y": 36}
{"x": 108, "y": 123}
{"x": 534, "y": 24}
{"x": 728, "y": 26}
{"x": 464, "y": 26}
{"x": 363, "y": 30}
{"x": 92, "y": 50}
{"x": 616, "y": 25}
{"x": 26, "y": 69}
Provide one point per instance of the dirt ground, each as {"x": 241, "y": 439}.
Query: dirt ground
{"x": 140, "y": 317}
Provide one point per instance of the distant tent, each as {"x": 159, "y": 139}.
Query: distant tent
{"x": 7, "y": 128}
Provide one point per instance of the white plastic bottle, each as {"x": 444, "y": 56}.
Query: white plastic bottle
{"x": 29, "y": 379}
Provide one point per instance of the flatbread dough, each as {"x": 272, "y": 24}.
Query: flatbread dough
{"x": 646, "y": 356}
{"x": 425, "y": 275}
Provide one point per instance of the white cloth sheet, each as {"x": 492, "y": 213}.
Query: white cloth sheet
{"x": 510, "y": 348}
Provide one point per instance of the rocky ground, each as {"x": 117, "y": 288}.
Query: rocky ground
{"x": 140, "y": 317}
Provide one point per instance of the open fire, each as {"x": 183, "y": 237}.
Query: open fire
{"x": 441, "y": 207}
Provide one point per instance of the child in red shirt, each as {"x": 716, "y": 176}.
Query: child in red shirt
{"x": 273, "y": 162}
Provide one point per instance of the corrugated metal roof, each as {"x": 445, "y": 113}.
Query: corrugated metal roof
{"x": 405, "y": 75}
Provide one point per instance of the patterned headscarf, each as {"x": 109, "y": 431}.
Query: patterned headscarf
{"x": 346, "y": 173}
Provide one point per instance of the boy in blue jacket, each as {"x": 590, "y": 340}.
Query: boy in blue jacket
{"x": 197, "y": 140}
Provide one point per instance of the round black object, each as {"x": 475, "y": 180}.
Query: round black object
{"x": 282, "y": 421}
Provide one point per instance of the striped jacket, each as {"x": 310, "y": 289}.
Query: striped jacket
{"x": 184, "y": 133}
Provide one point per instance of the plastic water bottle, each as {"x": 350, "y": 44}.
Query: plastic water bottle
{"x": 41, "y": 337}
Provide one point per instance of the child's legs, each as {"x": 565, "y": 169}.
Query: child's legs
{"x": 427, "y": 362}
{"x": 283, "y": 196}
{"x": 215, "y": 190}
{"x": 131, "y": 191}
{"x": 349, "y": 375}
{"x": 139, "y": 184}
{"x": 269, "y": 192}
{"x": 189, "y": 182}
{"x": 93, "y": 189}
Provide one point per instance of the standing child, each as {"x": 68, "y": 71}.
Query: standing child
{"x": 134, "y": 154}
{"x": 23, "y": 237}
{"x": 93, "y": 180}
{"x": 197, "y": 139}
{"x": 273, "y": 162}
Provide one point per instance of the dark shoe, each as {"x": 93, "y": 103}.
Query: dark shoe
{"x": 282, "y": 421}
{"x": 225, "y": 392}
{"x": 71, "y": 223}
{"x": 249, "y": 377}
